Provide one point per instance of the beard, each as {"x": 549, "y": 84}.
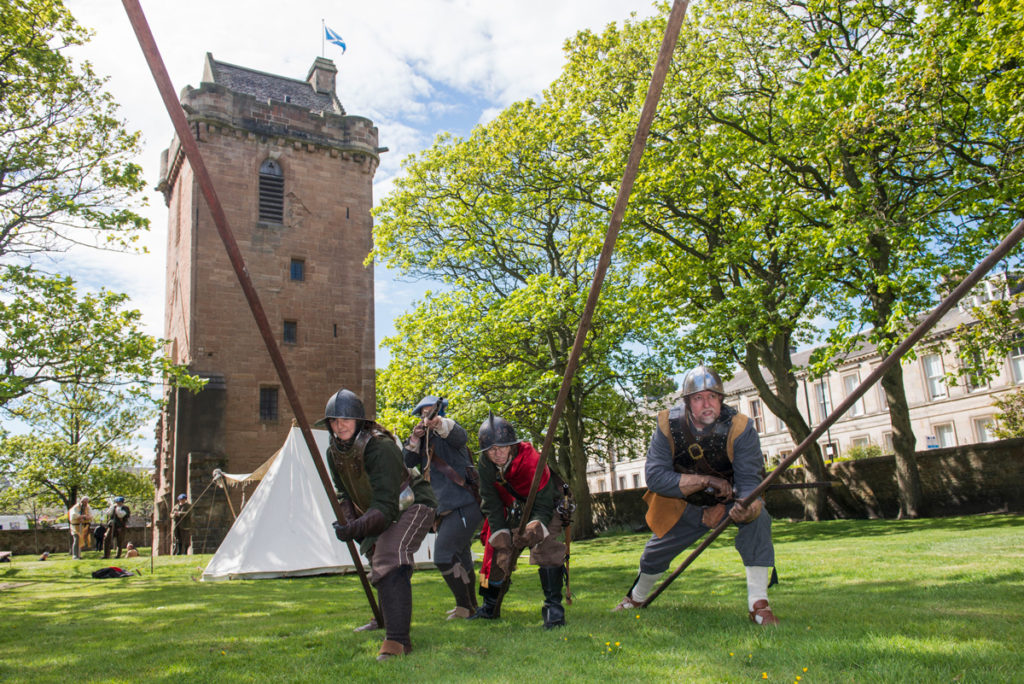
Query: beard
{"x": 706, "y": 418}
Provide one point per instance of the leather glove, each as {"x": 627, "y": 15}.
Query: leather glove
{"x": 743, "y": 514}
{"x": 501, "y": 542}
{"x": 349, "y": 509}
{"x": 370, "y": 523}
{"x": 532, "y": 535}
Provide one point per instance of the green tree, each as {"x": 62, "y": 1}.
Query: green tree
{"x": 1011, "y": 417}
{"x": 497, "y": 218}
{"x": 718, "y": 236}
{"x": 79, "y": 443}
{"x": 52, "y": 333}
{"x": 66, "y": 175}
{"x": 836, "y": 157}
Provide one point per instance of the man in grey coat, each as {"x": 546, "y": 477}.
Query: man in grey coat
{"x": 703, "y": 458}
{"x": 437, "y": 447}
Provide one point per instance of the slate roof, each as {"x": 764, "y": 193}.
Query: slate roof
{"x": 266, "y": 86}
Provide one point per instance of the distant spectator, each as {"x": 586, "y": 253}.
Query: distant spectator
{"x": 182, "y": 525}
{"x": 44, "y": 555}
{"x": 117, "y": 522}
{"x": 98, "y": 534}
{"x": 79, "y": 517}
{"x": 130, "y": 551}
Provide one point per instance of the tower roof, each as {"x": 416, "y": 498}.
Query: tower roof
{"x": 269, "y": 86}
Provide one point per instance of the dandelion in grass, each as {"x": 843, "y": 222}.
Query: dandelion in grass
{"x": 764, "y": 675}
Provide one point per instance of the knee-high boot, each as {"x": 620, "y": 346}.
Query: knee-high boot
{"x": 395, "y": 593}
{"x": 492, "y": 594}
{"x": 551, "y": 577}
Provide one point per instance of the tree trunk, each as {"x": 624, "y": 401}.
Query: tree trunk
{"x": 573, "y": 467}
{"x": 907, "y": 476}
{"x": 783, "y": 403}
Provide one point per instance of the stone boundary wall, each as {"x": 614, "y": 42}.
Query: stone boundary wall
{"x": 29, "y": 542}
{"x": 964, "y": 480}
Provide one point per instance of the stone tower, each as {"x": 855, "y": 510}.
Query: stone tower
{"x": 294, "y": 174}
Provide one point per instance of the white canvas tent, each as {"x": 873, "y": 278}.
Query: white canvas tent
{"x": 285, "y": 528}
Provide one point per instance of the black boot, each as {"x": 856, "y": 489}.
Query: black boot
{"x": 491, "y": 609}
{"x": 395, "y": 594}
{"x": 551, "y": 581}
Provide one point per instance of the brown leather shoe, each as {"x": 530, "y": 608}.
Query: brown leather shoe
{"x": 459, "y": 613}
{"x": 626, "y": 603}
{"x": 762, "y": 614}
{"x": 369, "y": 626}
{"x": 390, "y": 649}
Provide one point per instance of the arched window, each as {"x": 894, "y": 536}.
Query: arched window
{"x": 271, "y": 192}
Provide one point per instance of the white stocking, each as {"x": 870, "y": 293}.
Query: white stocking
{"x": 757, "y": 584}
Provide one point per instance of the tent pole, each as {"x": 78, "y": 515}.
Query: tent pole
{"x": 202, "y": 175}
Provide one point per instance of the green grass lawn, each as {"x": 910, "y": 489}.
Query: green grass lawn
{"x": 937, "y": 600}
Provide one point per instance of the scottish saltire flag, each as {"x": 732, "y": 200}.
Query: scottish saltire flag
{"x": 334, "y": 38}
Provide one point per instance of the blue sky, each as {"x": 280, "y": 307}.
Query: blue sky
{"x": 415, "y": 68}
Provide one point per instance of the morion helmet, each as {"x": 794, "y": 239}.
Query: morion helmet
{"x": 343, "y": 404}
{"x": 496, "y": 431}
{"x": 700, "y": 379}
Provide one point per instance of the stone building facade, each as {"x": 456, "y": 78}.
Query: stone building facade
{"x": 294, "y": 174}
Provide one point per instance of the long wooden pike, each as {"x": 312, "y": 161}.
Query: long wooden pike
{"x": 191, "y": 148}
{"x": 986, "y": 265}
{"x": 672, "y": 28}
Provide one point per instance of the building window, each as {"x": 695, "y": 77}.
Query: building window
{"x": 291, "y": 332}
{"x": 932, "y": 364}
{"x": 601, "y": 485}
{"x": 850, "y": 383}
{"x": 983, "y": 429}
{"x": 755, "y": 413}
{"x": 636, "y": 480}
{"x": 860, "y": 442}
{"x": 945, "y": 435}
{"x": 822, "y": 399}
{"x": 883, "y": 401}
{"x": 622, "y": 482}
{"x": 1017, "y": 364}
{"x": 271, "y": 192}
{"x": 298, "y": 269}
{"x": 268, "y": 403}
{"x": 973, "y": 378}
{"x": 887, "y": 445}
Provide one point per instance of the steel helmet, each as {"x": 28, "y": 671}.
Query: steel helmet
{"x": 700, "y": 379}
{"x": 118, "y": 499}
{"x": 182, "y": 497}
{"x": 496, "y": 431}
{"x": 343, "y": 404}
{"x": 428, "y": 401}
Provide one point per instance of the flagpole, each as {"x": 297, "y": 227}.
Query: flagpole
{"x": 323, "y": 33}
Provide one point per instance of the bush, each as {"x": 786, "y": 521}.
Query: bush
{"x": 867, "y": 451}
